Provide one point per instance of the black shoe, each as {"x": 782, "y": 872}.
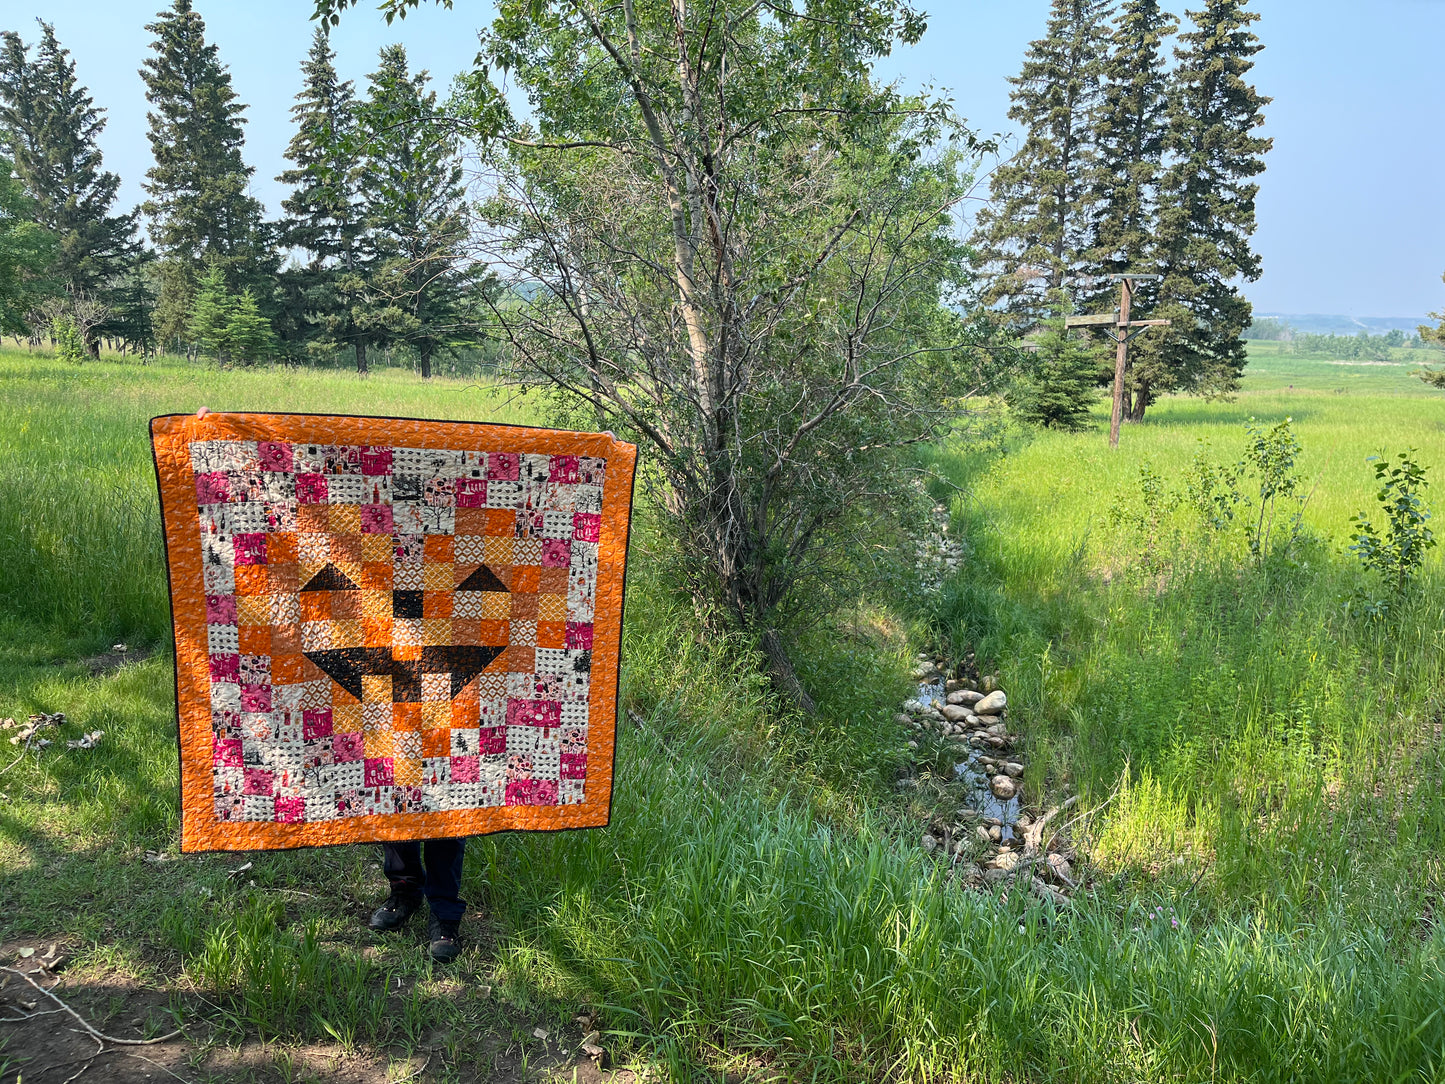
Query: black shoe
{"x": 446, "y": 939}
{"x": 392, "y": 914}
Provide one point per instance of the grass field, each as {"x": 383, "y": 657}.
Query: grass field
{"x": 1252, "y": 756}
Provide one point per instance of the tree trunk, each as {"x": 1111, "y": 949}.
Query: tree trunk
{"x": 784, "y": 678}
{"x": 426, "y": 350}
{"x": 1141, "y": 402}
{"x": 361, "y": 356}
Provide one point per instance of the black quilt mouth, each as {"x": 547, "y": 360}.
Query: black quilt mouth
{"x": 348, "y": 665}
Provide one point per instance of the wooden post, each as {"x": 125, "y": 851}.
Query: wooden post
{"x": 1121, "y": 360}
{"x": 1119, "y": 327}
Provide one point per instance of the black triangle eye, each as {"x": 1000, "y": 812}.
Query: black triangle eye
{"x": 483, "y": 579}
{"x": 330, "y": 578}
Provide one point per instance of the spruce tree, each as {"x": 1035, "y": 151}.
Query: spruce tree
{"x": 1131, "y": 130}
{"x": 411, "y": 181}
{"x": 324, "y": 211}
{"x": 1038, "y": 220}
{"x": 199, "y": 207}
{"x": 248, "y": 333}
{"x": 1057, "y": 391}
{"x": 1206, "y": 211}
{"x": 210, "y": 313}
{"x": 26, "y": 254}
{"x": 52, "y": 126}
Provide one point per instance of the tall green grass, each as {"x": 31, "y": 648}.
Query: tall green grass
{"x": 1250, "y": 758}
{"x": 1256, "y": 737}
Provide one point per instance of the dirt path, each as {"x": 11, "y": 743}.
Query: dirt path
{"x": 40, "y": 1043}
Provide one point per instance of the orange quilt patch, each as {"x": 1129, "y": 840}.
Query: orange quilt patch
{"x": 391, "y": 629}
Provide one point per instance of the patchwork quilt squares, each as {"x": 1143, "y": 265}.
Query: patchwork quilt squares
{"x": 391, "y": 629}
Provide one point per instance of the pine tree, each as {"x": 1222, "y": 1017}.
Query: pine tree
{"x": 211, "y": 312}
{"x": 411, "y": 181}
{"x": 199, "y": 208}
{"x": 52, "y": 126}
{"x": 1059, "y": 389}
{"x": 325, "y": 215}
{"x": 26, "y": 253}
{"x": 1206, "y": 214}
{"x": 1038, "y": 221}
{"x": 248, "y": 333}
{"x": 133, "y": 302}
{"x": 1131, "y": 131}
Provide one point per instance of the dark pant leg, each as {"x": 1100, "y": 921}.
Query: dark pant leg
{"x": 444, "y": 877}
{"x": 401, "y": 862}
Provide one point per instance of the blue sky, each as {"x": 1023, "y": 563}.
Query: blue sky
{"x": 1352, "y": 207}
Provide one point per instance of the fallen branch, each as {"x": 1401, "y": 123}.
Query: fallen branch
{"x": 100, "y": 1049}
{"x": 92, "y": 1032}
{"x": 1034, "y": 833}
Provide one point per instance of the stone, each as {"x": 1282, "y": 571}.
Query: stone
{"x": 997, "y": 742}
{"x": 988, "y": 683}
{"x": 914, "y": 706}
{"x": 955, "y": 713}
{"x": 951, "y": 686}
{"x": 1013, "y": 768}
{"x": 993, "y": 876}
{"x": 929, "y": 843}
{"x": 913, "y": 745}
{"x": 978, "y": 740}
{"x": 1007, "y": 860}
{"x": 1003, "y": 787}
{"x": 995, "y": 833}
{"x": 1060, "y": 868}
{"x": 1045, "y": 892}
{"x": 997, "y": 729}
{"x": 992, "y": 704}
{"x": 967, "y": 697}
{"x": 903, "y": 720}
{"x": 959, "y": 848}
{"x": 982, "y": 831}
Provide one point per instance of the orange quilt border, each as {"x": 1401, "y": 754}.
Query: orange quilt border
{"x": 171, "y": 435}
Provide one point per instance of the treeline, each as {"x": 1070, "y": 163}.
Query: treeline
{"x": 376, "y": 224}
{"x": 1130, "y": 163}
{"x": 1363, "y": 346}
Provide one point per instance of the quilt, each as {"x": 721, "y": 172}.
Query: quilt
{"x": 389, "y": 628}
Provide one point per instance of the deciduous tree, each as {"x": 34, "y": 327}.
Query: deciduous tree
{"x": 724, "y": 239}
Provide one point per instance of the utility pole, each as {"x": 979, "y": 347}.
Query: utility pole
{"x": 1118, "y": 325}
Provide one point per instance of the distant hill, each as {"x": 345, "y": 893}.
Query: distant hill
{"x": 1318, "y": 324}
